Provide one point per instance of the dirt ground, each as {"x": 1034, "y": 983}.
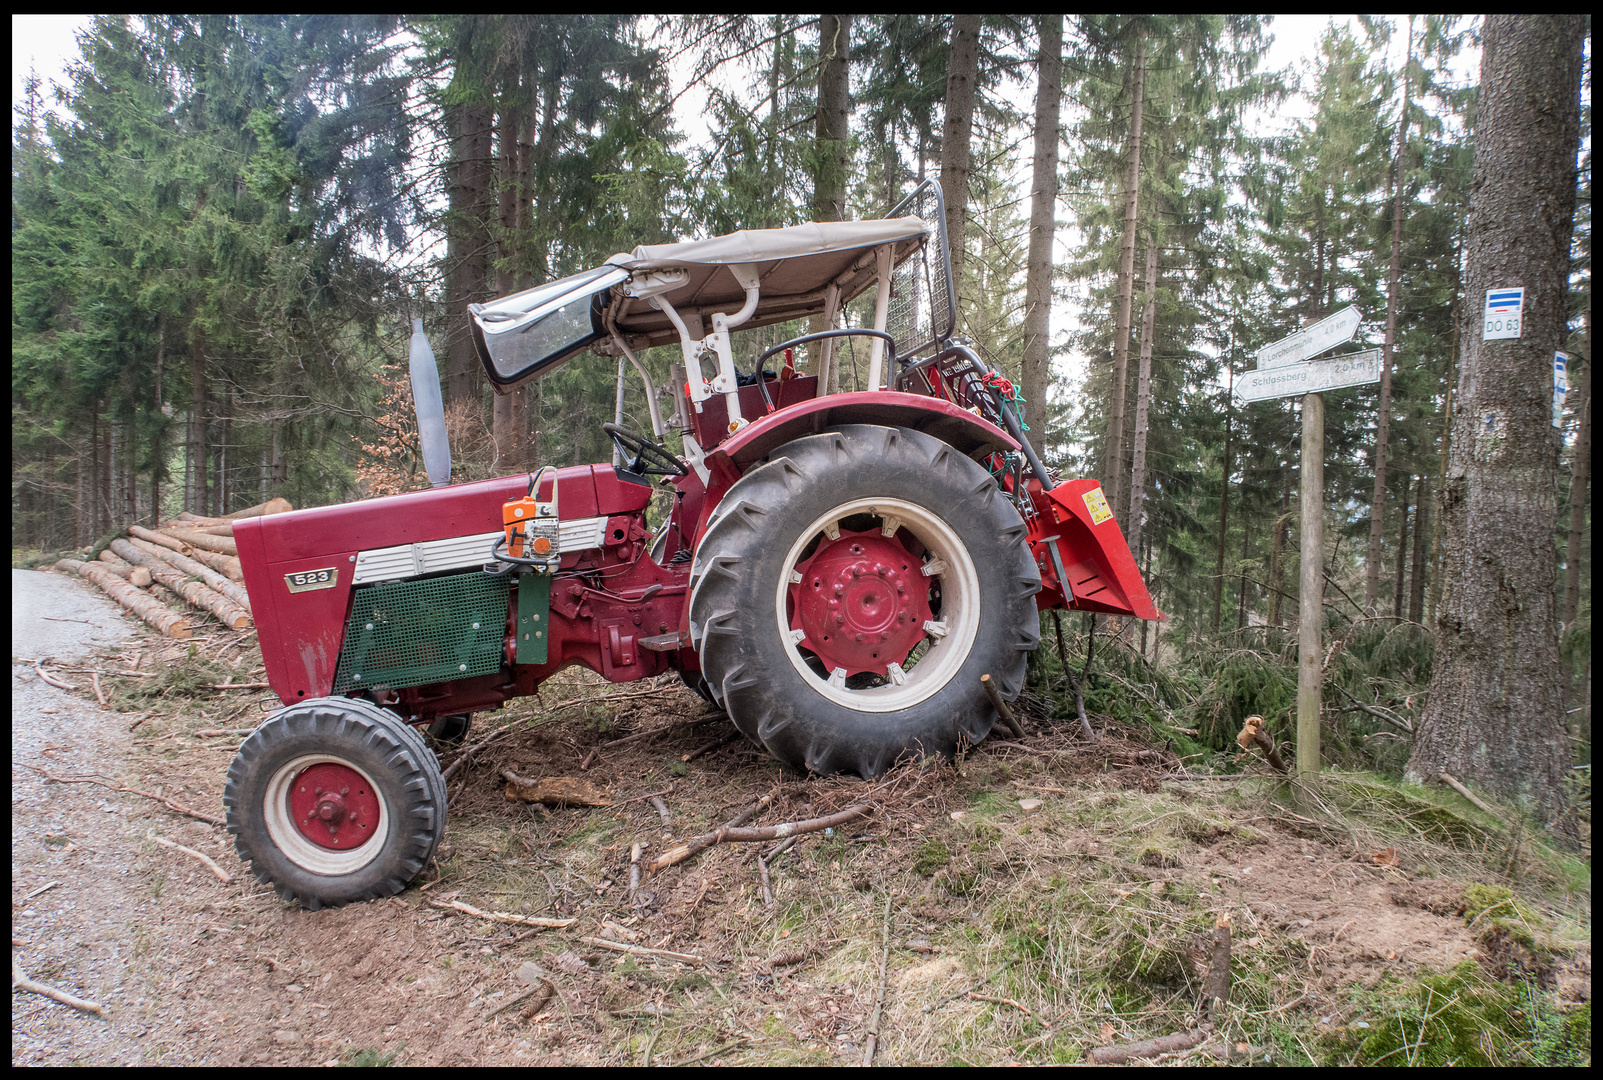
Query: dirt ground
{"x": 1034, "y": 900}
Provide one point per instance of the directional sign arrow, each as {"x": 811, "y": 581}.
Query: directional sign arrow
{"x": 1312, "y": 340}
{"x": 1355, "y": 369}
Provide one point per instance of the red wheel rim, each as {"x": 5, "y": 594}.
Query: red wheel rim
{"x": 334, "y": 806}
{"x": 861, "y": 602}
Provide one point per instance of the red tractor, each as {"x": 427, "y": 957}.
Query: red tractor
{"x": 837, "y": 572}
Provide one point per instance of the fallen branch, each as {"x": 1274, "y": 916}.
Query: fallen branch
{"x": 1252, "y": 732}
{"x": 736, "y": 835}
{"x": 1375, "y": 712}
{"x": 501, "y": 916}
{"x": 38, "y": 666}
{"x": 222, "y": 875}
{"x": 1002, "y": 709}
{"x": 94, "y": 681}
{"x": 879, "y": 994}
{"x": 635, "y": 851}
{"x": 238, "y": 686}
{"x": 20, "y": 981}
{"x": 662, "y": 810}
{"x": 1470, "y": 795}
{"x": 1166, "y": 1044}
{"x": 462, "y": 758}
{"x": 641, "y": 950}
{"x": 762, "y": 879}
{"x": 177, "y": 808}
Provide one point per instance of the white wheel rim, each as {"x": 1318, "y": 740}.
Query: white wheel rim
{"x": 289, "y": 839}
{"x": 960, "y": 608}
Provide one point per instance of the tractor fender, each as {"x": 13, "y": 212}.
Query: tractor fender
{"x": 955, "y": 426}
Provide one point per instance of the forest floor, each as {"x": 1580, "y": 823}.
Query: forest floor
{"x": 1033, "y": 901}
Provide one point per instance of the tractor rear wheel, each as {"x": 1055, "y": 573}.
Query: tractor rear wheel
{"x": 849, "y": 593}
{"x": 334, "y": 800}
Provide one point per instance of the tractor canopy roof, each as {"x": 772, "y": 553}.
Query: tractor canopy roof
{"x": 531, "y": 332}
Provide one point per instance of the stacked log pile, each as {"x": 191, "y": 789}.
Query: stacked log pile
{"x": 189, "y": 560}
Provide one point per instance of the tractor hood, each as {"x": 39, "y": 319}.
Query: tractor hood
{"x": 532, "y": 332}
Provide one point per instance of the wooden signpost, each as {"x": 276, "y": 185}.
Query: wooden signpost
{"x": 1283, "y": 370}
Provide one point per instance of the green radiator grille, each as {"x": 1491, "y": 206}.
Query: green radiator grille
{"x": 411, "y": 633}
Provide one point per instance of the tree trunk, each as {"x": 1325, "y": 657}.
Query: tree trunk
{"x": 1377, "y": 504}
{"x": 1113, "y": 472}
{"x": 1143, "y": 389}
{"x": 1581, "y": 463}
{"x": 1495, "y": 712}
{"x": 1277, "y": 553}
{"x": 1224, "y": 502}
{"x": 1037, "y": 361}
{"x": 509, "y": 418}
{"x": 467, "y": 273}
{"x": 1402, "y": 552}
{"x": 1438, "y": 551}
{"x": 833, "y": 147}
{"x": 195, "y": 501}
{"x": 957, "y": 130}
{"x": 1416, "y": 580}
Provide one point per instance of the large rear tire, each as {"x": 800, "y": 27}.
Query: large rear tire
{"x": 334, "y": 800}
{"x": 850, "y": 592}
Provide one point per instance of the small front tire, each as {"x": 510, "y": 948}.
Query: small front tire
{"x": 335, "y": 800}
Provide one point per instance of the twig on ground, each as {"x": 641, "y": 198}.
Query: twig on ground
{"x": 177, "y": 808}
{"x": 662, "y": 811}
{"x": 1000, "y": 1001}
{"x": 714, "y": 1052}
{"x": 879, "y": 994}
{"x": 41, "y": 890}
{"x": 222, "y": 875}
{"x": 20, "y": 981}
{"x": 639, "y": 798}
{"x": 635, "y": 851}
{"x": 641, "y": 950}
{"x": 239, "y": 686}
{"x": 94, "y": 682}
{"x": 722, "y": 741}
{"x": 1166, "y": 1044}
{"x": 732, "y": 834}
{"x": 762, "y": 878}
{"x": 684, "y": 851}
{"x": 501, "y": 916}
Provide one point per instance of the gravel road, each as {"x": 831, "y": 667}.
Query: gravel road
{"x": 81, "y": 934}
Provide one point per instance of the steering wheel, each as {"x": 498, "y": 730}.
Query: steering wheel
{"x": 640, "y": 454}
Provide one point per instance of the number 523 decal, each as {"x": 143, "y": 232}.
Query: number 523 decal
{"x": 307, "y": 580}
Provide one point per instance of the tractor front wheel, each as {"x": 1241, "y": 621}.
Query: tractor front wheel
{"x": 849, "y": 593}
{"x": 334, "y": 800}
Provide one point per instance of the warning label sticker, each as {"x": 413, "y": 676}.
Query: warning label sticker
{"x": 1097, "y": 504}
